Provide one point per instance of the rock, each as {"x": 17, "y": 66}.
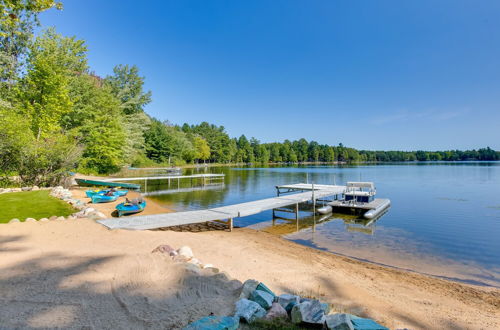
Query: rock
{"x": 276, "y": 311}
{"x": 195, "y": 261}
{"x": 185, "y": 251}
{"x": 249, "y": 286}
{"x": 339, "y": 322}
{"x": 30, "y": 220}
{"x": 35, "y": 188}
{"x": 308, "y": 312}
{"x": 60, "y": 219}
{"x": 193, "y": 268}
{"x": 365, "y": 324}
{"x": 26, "y": 188}
{"x": 14, "y": 220}
{"x": 213, "y": 270}
{"x": 99, "y": 216}
{"x": 15, "y": 190}
{"x": 208, "y": 266}
{"x": 215, "y": 323}
{"x": 263, "y": 287}
{"x": 43, "y": 220}
{"x": 164, "y": 249}
{"x": 263, "y": 298}
{"x": 287, "y": 301}
{"x": 71, "y": 218}
{"x": 249, "y": 310}
{"x": 325, "y": 307}
{"x": 79, "y": 214}
{"x": 88, "y": 210}
{"x": 52, "y": 218}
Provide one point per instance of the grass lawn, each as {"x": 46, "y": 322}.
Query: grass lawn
{"x": 31, "y": 204}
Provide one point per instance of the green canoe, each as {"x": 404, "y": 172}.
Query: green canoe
{"x": 86, "y": 182}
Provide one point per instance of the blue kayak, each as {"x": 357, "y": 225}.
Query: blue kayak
{"x": 130, "y": 208}
{"x": 91, "y": 193}
{"x": 103, "y": 198}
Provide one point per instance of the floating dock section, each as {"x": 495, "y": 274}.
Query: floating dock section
{"x": 312, "y": 193}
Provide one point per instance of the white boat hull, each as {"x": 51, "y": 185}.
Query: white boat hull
{"x": 327, "y": 209}
{"x": 370, "y": 214}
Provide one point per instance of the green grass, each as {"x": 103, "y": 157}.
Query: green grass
{"x": 31, "y": 204}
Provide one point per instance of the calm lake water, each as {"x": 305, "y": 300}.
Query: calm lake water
{"x": 444, "y": 219}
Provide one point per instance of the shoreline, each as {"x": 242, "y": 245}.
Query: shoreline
{"x": 44, "y": 258}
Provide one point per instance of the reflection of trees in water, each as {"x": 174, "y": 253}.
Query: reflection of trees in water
{"x": 242, "y": 184}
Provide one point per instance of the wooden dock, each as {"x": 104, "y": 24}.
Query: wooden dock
{"x": 224, "y": 212}
{"x": 167, "y": 177}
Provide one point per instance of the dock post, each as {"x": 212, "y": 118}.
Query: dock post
{"x": 230, "y": 224}
{"x": 178, "y": 183}
{"x": 146, "y": 185}
{"x": 297, "y": 215}
{"x": 313, "y": 199}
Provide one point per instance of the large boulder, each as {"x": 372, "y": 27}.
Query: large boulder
{"x": 263, "y": 287}
{"x": 15, "y": 220}
{"x": 26, "y": 188}
{"x": 164, "y": 248}
{"x": 276, "y": 311}
{"x": 360, "y": 323}
{"x": 185, "y": 251}
{"x": 215, "y": 323}
{"x": 249, "y": 310}
{"x": 308, "y": 312}
{"x": 248, "y": 287}
{"x": 339, "y": 322}
{"x": 263, "y": 298}
{"x": 30, "y": 220}
{"x": 35, "y": 188}
{"x": 287, "y": 301}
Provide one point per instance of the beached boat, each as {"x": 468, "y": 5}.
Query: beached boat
{"x": 103, "y": 198}
{"x": 91, "y": 193}
{"x": 85, "y": 182}
{"x": 130, "y": 208}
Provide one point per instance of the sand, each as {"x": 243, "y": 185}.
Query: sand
{"x": 78, "y": 274}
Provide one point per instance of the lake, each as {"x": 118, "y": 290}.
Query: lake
{"x": 444, "y": 219}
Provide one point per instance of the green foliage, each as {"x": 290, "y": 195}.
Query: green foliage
{"x": 127, "y": 86}
{"x": 18, "y": 18}
{"x": 32, "y": 204}
{"x": 166, "y": 143}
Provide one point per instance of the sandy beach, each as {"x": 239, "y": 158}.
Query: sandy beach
{"x": 78, "y": 274}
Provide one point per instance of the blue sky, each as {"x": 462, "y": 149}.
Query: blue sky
{"x": 370, "y": 74}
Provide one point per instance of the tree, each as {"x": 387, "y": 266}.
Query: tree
{"x": 201, "y": 147}
{"x": 44, "y": 92}
{"x": 127, "y": 86}
{"x": 17, "y": 22}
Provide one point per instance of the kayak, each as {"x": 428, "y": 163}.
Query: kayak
{"x": 103, "y": 198}
{"x": 91, "y": 193}
{"x": 129, "y": 208}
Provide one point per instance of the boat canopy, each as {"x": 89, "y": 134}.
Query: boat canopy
{"x": 369, "y": 185}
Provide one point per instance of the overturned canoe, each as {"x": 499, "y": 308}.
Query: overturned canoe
{"x": 130, "y": 208}
{"x": 91, "y": 193}
{"x": 103, "y": 198}
{"x": 85, "y": 182}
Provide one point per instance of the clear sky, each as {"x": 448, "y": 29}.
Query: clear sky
{"x": 370, "y": 74}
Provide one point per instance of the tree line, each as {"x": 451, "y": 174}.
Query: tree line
{"x": 57, "y": 116}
